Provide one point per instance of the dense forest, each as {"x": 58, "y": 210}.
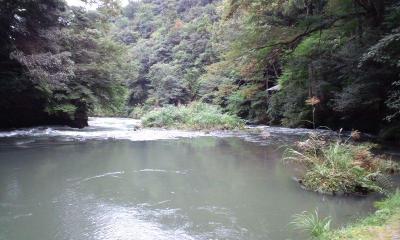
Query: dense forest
{"x": 296, "y": 63}
{"x": 58, "y": 63}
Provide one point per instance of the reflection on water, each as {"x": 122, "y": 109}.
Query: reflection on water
{"x": 190, "y": 188}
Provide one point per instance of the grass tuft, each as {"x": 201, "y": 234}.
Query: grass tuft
{"x": 311, "y": 223}
{"x": 341, "y": 167}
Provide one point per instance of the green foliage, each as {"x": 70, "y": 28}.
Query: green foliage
{"x": 139, "y": 111}
{"x": 66, "y": 59}
{"x": 102, "y": 65}
{"x": 387, "y": 206}
{"x": 235, "y": 102}
{"x": 341, "y": 167}
{"x": 308, "y": 47}
{"x": 288, "y": 108}
{"x": 227, "y": 53}
{"x": 386, "y": 52}
{"x": 62, "y": 108}
{"x": 171, "y": 42}
{"x": 319, "y": 48}
{"x": 193, "y": 116}
{"x": 311, "y": 223}
{"x": 167, "y": 87}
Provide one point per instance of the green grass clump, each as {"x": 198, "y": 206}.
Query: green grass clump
{"x": 341, "y": 167}
{"x": 311, "y": 223}
{"x": 194, "y": 116}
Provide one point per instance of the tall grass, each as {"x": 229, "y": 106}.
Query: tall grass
{"x": 311, "y": 223}
{"x": 193, "y": 116}
{"x": 340, "y": 167}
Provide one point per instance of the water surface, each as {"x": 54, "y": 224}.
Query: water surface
{"x": 111, "y": 182}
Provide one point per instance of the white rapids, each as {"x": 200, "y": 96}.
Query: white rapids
{"x": 128, "y": 129}
{"x": 103, "y": 129}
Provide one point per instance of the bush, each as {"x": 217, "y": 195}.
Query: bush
{"x": 193, "y": 116}
{"x": 341, "y": 167}
{"x": 140, "y": 110}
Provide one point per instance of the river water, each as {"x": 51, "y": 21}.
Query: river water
{"x": 110, "y": 182}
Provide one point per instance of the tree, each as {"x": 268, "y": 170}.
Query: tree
{"x": 33, "y": 64}
{"x": 314, "y": 48}
{"x": 102, "y": 67}
{"x": 174, "y": 33}
{"x": 49, "y": 64}
{"x": 166, "y": 85}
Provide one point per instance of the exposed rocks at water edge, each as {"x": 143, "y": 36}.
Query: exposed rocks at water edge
{"x": 29, "y": 115}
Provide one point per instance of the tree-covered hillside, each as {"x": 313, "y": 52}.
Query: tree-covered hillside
{"x": 337, "y": 57}
{"x": 296, "y": 63}
{"x": 328, "y": 63}
{"x": 171, "y": 42}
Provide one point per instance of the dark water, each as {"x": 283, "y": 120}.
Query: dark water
{"x": 53, "y": 187}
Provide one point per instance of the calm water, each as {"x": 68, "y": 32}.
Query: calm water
{"x": 104, "y": 182}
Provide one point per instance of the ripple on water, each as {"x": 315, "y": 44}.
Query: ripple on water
{"x": 101, "y": 219}
{"x": 127, "y": 223}
{"x": 124, "y": 223}
{"x": 111, "y": 174}
{"x": 149, "y": 170}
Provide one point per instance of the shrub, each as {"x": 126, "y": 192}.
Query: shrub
{"x": 193, "y": 116}
{"x": 140, "y": 110}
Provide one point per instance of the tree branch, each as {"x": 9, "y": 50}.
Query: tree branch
{"x": 324, "y": 25}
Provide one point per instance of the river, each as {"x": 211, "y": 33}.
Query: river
{"x": 112, "y": 182}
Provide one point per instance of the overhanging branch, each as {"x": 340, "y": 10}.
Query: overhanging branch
{"x": 324, "y": 25}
